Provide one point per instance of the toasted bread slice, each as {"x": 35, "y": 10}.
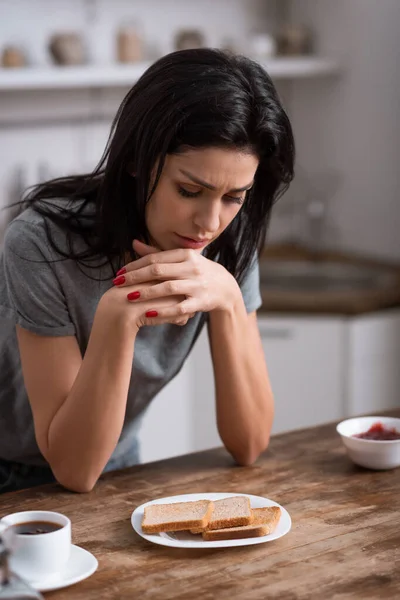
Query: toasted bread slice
{"x": 234, "y": 533}
{"x": 229, "y": 512}
{"x": 264, "y": 522}
{"x": 268, "y": 515}
{"x": 177, "y": 516}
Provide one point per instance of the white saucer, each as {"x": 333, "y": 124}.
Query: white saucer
{"x": 184, "y": 539}
{"x": 81, "y": 564}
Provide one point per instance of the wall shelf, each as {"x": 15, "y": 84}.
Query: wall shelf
{"x": 106, "y": 76}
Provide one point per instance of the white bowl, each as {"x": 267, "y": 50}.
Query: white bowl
{"x": 372, "y": 454}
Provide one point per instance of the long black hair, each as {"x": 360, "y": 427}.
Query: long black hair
{"x": 187, "y": 99}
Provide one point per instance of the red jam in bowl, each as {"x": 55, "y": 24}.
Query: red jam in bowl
{"x": 378, "y": 433}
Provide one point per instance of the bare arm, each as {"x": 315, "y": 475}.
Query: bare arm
{"x": 79, "y": 404}
{"x": 244, "y": 399}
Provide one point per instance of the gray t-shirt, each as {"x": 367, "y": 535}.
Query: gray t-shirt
{"x": 57, "y": 298}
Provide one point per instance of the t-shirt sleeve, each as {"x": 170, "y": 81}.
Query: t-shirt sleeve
{"x": 30, "y": 292}
{"x": 250, "y": 287}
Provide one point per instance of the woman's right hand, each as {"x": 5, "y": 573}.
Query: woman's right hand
{"x": 114, "y": 304}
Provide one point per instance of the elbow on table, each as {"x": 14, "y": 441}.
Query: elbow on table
{"x": 74, "y": 481}
{"x": 246, "y": 456}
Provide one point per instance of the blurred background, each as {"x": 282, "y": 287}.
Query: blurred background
{"x": 330, "y": 272}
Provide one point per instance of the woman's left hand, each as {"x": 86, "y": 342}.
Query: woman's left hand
{"x": 207, "y": 285}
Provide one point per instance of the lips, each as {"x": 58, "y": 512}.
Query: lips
{"x": 195, "y": 243}
{"x": 196, "y": 240}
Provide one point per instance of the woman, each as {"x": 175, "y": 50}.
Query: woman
{"x": 100, "y": 270}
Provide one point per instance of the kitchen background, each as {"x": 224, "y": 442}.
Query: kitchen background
{"x": 330, "y": 274}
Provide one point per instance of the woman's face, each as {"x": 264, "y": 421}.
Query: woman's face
{"x": 199, "y": 193}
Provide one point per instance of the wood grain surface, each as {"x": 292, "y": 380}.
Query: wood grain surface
{"x": 344, "y": 543}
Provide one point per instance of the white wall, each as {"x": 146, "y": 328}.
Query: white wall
{"x": 351, "y": 126}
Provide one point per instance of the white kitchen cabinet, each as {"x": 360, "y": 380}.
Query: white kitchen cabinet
{"x": 94, "y": 140}
{"x": 306, "y": 359}
{"x": 374, "y": 363}
{"x": 181, "y": 418}
{"x": 167, "y": 426}
{"x": 30, "y": 155}
{"x": 205, "y": 433}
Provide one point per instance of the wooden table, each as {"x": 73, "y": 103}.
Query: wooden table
{"x": 344, "y": 543}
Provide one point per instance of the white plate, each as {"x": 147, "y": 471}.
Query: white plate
{"x": 184, "y": 539}
{"x": 81, "y": 564}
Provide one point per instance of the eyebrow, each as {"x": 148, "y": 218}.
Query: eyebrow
{"x": 212, "y": 187}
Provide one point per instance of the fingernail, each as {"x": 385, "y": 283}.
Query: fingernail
{"x": 119, "y": 280}
{"x": 133, "y": 295}
{"x": 121, "y": 271}
{"x": 151, "y": 313}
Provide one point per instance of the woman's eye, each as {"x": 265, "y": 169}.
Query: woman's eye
{"x": 187, "y": 194}
{"x": 235, "y": 200}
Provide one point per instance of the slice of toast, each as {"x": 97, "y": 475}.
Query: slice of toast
{"x": 264, "y": 522}
{"x": 229, "y": 512}
{"x": 177, "y": 516}
{"x": 268, "y": 515}
{"x": 234, "y": 533}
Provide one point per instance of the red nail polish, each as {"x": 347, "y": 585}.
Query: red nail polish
{"x": 121, "y": 271}
{"x": 119, "y": 280}
{"x": 151, "y": 313}
{"x": 133, "y": 295}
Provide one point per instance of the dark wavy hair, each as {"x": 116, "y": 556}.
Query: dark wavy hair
{"x": 187, "y": 99}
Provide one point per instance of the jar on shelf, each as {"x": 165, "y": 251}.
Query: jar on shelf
{"x": 67, "y": 48}
{"x": 129, "y": 44}
{"x": 187, "y": 39}
{"x": 295, "y": 40}
{"x": 13, "y": 57}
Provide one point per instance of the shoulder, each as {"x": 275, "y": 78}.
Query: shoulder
{"x": 25, "y": 234}
{"x": 31, "y": 231}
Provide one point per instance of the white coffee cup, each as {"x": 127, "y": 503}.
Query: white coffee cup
{"x": 40, "y": 556}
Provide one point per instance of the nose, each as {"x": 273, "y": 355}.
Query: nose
{"x": 207, "y": 216}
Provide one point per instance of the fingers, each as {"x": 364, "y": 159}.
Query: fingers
{"x": 178, "y": 313}
{"x": 155, "y": 272}
{"x": 157, "y": 257}
{"x": 158, "y": 321}
{"x": 166, "y": 289}
{"x": 180, "y": 320}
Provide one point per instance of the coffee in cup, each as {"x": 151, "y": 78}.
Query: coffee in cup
{"x": 41, "y": 543}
